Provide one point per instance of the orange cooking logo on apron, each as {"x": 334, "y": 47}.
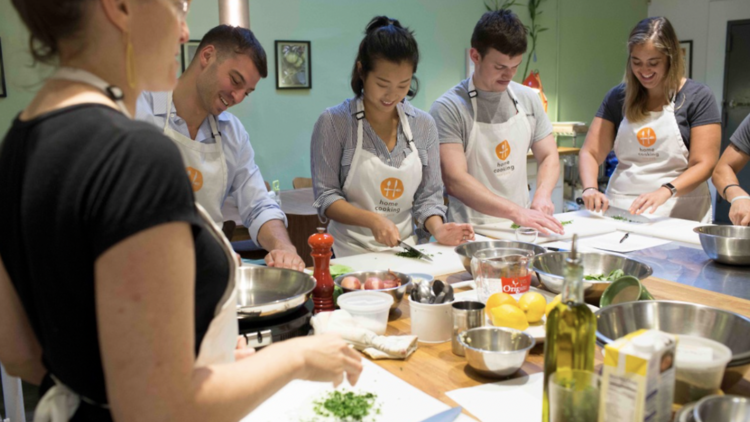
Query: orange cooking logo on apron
{"x": 646, "y": 137}
{"x": 196, "y": 178}
{"x": 392, "y": 188}
{"x": 503, "y": 150}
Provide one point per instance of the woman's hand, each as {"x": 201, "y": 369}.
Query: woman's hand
{"x": 739, "y": 213}
{"x": 385, "y": 232}
{"x": 595, "y": 200}
{"x": 327, "y": 357}
{"x": 650, "y": 201}
{"x": 453, "y": 234}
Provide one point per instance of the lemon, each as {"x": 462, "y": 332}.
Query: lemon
{"x": 509, "y": 316}
{"x": 533, "y": 305}
{"x": 498, "y": 299}
{"x": 552, "y": 304}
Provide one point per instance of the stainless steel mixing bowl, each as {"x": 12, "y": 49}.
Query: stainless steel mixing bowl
{"x": 726, "y": 244}
{"x": 549, "y": 269}
{"x": 722, "y": 408}
{"x": 496, "y": 352}
{"x": 467, "y": 250}
{"x": 692, "y": 319}
{"x": 396, "y": 292}
{"x": 271, "y": 292}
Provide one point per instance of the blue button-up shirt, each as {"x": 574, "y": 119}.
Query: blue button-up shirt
{"x": 244, "y": 181}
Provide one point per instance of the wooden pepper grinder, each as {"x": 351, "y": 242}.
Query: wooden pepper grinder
{"x": 321, "y": 243}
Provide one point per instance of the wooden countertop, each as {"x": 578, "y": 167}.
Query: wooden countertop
{"x": 561, "y": 151}
{"x": 435, "y": 370}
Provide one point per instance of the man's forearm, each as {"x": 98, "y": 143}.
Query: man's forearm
{"x": 273, "y": 235}
{"x": 474, "y": 194}
{"x": 549, "y": 172}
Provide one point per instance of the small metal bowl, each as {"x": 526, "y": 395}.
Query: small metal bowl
{"x": 496, "y": 352}
{"x": 722, "y": 409}
{"x": 550, "y": 268}
{"x": 726, "y": 244}
{"x": 467, "y": 250}
{"x": 615, "y": 321}
{"x": 397, "y": 292}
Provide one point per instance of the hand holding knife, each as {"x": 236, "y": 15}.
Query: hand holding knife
{"x": 414, "y": 250}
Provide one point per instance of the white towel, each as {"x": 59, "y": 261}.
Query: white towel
{"x": 371, "y": 344}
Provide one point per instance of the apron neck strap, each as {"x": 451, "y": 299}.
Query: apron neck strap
{"x": 211, "y": 119}
{"x": 79, "y": 75}
{"x": 360, "y": 115}
{"x": 473, "y": 93}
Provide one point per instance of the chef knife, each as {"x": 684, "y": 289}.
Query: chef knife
{"x": 449, "y": 415}
{"x": 621, "y": 214}
{"x": 411, "y": 249}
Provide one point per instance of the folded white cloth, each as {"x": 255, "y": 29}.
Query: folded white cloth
{"x": 371, "y": 344}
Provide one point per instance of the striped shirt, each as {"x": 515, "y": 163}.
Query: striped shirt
{"x": 334, "y": 140}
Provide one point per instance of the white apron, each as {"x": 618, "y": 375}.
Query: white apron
{"x": 374, "y": 186}
{"x": 205, "y": 166}
{"x": 651, "y": 153}
{"x": 59, "y": 403}
{"x": 496, "y": 156}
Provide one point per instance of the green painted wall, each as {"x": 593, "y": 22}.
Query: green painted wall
{"x": 579, "y": 58}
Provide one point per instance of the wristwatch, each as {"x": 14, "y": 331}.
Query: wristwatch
{"x": 671, "y": 188}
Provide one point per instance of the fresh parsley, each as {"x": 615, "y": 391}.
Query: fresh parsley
{"x": 346, "y": 406}
{"x": 612, "y": 276}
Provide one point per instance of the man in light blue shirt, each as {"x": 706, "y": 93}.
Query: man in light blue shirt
{"x": 215, "y": 146}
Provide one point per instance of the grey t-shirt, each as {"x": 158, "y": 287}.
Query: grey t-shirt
{"x": 741, "y": 137}
{"x": 695, "y": 105}
{"x": 454, "y": 115}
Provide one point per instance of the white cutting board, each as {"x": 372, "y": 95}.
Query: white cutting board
{"x": 444, "y": 260}
{"x": 398, "y": 400}
{"x": 675, "y": 229}
{"x": 582, "y": 223}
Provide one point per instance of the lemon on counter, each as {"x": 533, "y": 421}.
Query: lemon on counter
{"x": 533, "y": 305}
{"x": 509, "y": 316}
{"x": 498, "y": 299}
{"x": 552, "y": 304}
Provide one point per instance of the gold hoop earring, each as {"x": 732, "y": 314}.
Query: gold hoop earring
{"x": 130, "y": 62}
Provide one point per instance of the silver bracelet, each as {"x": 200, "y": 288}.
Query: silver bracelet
{"x": 739, "y": 197}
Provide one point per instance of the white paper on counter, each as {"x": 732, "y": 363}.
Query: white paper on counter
{"x": 611, "y": 242}
{"x": 518, "y": 399}
{"x": 399, "y": 401}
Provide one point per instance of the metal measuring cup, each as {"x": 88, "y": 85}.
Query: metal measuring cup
{"x": 466, "y": 315}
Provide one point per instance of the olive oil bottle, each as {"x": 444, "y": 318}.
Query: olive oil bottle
{"x": 570, "y": 342}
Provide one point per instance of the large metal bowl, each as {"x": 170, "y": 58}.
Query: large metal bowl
{"x": 271, "y": 292}
{"x": 550, "y": 268}
{"x": 396, "y": 292}
{"x": 726, "y": 327}
{"x": 726, "y": 244}
{"x": 496, "y": 352}
{"x": 467, "y": 250}
{"x": 722, "y": 408}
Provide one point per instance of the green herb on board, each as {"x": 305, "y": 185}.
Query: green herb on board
{"x": 408, "y": 253}
{"x": 612, "y": 276}
{"x": 565, "y": 223}
{"x": 515, "y": 226}
{"x": 347, "y": 406}
{"x": 620, "y": 218}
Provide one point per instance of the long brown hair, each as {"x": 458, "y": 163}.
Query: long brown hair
{"x": 660, "y": 32}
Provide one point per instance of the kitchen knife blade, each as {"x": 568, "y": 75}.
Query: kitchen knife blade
{"x": 620, "y": 214}
{"x": 449, "y": 415}
{"x": 412, "y": 249}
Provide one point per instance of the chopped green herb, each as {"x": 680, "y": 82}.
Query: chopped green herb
{"x": 407, "y": 253}
{"x": 515, "y": 226}
{"x": 621, "y": 218}
{"x": 614, "y": 275}
{"x": 347, "y": 406}
{"x": 565, "y": 223}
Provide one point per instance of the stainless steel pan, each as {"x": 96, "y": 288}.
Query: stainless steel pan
{"x": 271, "y": 292}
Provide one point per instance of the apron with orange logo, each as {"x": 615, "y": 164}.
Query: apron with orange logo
{"x": 205, "y": 166}
{"x": 651, "y": 153}
{"x": 375, "y": 186}
{"x": 496, "y": 157}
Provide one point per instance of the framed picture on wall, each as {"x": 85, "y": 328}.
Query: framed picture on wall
{"x": 3, "y": 92}
{"x": 687, "y": 54}
{"x": 188, "y": 52}
{"x": 293, "y": 65}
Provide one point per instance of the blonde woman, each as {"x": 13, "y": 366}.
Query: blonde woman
{"x": 664, "y": 129}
